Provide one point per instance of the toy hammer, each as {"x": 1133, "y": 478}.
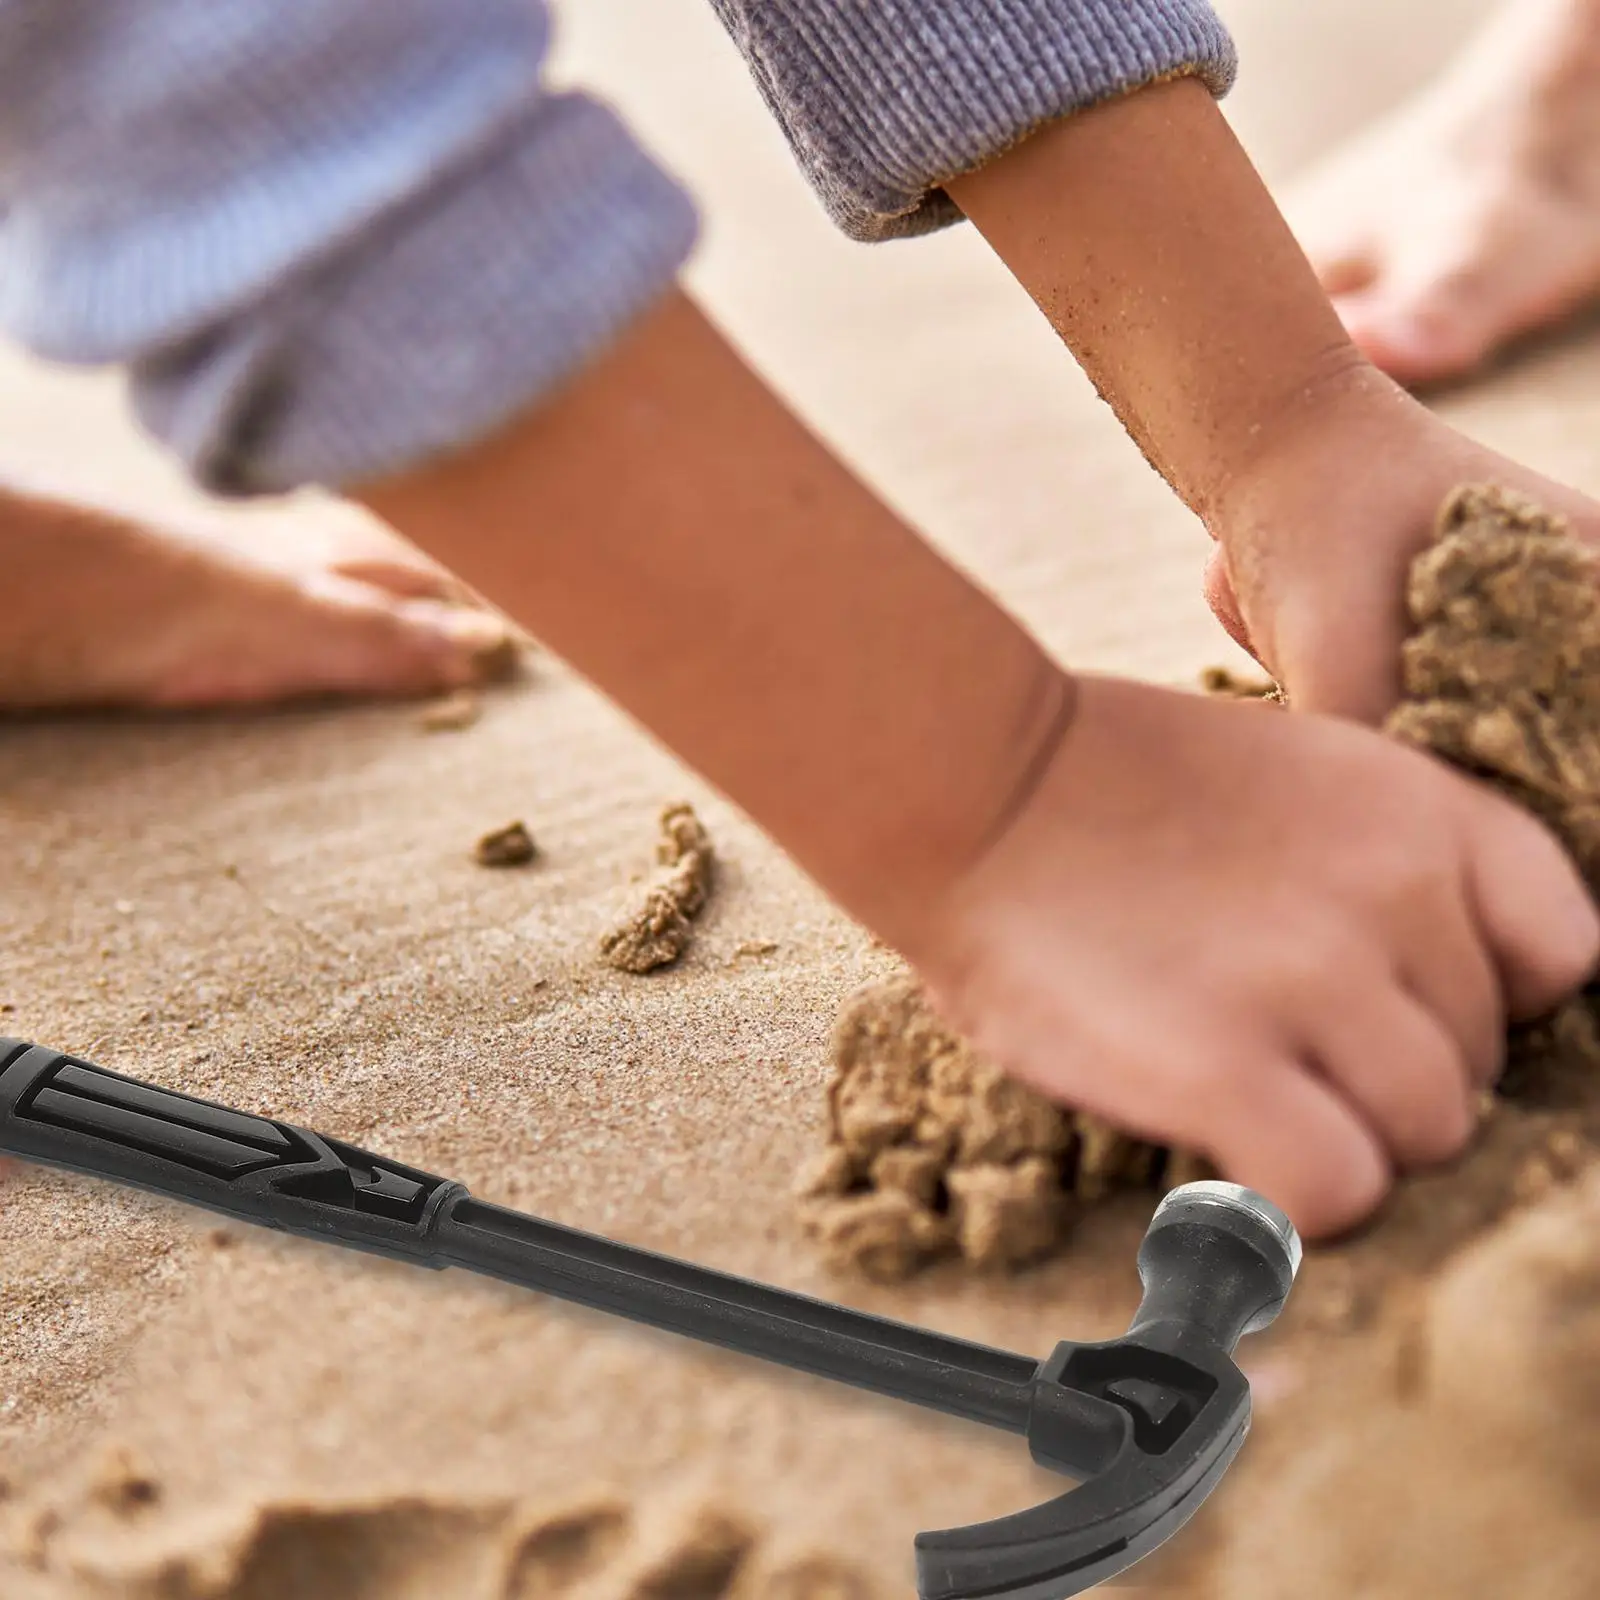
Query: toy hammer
{"x": 1151, "y": 1420}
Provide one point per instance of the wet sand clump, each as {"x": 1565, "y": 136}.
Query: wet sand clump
{"x": 510, "y": 846}
{"x": 934, "y": 1152}
{"x": 659, "y": 932}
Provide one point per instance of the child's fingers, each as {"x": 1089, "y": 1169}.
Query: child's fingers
{"x": 1537, "y": 917}
{"x": 1451, "y": 974}
{"x": 1402, "y": 1072}
{"x": 1290, "y": 1135}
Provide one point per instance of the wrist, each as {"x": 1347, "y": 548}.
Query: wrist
{"x": 1144, "y": 233}
{"x": 1318, "y": 418}
{"x": 1319, "y": 526}
{"x": 1017, "y": 748}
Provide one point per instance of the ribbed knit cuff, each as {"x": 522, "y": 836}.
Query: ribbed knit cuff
{"x": 883, "y": 101}
{"x": 459, "y": 313}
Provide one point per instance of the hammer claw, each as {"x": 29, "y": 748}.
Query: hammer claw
{"x": 1081, "y": 1538}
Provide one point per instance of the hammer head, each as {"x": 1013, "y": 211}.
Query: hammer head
{"x": 1151, "y": 1420}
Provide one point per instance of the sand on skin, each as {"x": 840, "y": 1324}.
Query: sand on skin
{"x": 283, "y": 915}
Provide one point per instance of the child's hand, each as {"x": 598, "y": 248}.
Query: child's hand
{"x": 1317, "y": 535}
{"x": 1142, "y": 231}
{"x": 1282, "y": 941}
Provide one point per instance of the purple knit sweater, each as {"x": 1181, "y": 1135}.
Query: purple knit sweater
{"x": 327, "y": 238}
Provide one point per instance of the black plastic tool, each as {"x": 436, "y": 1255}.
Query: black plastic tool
{"x": 1151, "y": 1420}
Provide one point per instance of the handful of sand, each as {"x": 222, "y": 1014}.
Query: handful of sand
{"x": 932, "y": 1152}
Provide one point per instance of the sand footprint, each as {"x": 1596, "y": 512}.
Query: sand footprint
{"x": 559, "y": 1552}
{"x": 415, "y": 1548}
{"x": 705, "y": 1553}
{"x": 699, "y": 1557}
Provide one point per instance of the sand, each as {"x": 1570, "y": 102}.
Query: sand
{"x": 452, "y": 712}
{"x": 1501, "y": 678}
{"x": 284, "y": 914}
{"x": 932, "y": 1152}
{"x": 657, "y": 932}
{"x": 510, "y": 846}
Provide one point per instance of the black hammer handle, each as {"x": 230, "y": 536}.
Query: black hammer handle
{"x": 67, "y": 1113}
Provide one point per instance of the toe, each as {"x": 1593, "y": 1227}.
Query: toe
{"x": 1446, "y": 299}
{"x": 402, "y": 576}
{"x": 1335, "y": 222}
{"x": 330, "y": 636}
{"x": 1418, "y": 339}
{"x": 1342, "y": 256}
{"x": 480, "y": 642}
{"x": 332, "y": 539}
{"x": 1343, "y": 272}
{"x": 374, "y": 643}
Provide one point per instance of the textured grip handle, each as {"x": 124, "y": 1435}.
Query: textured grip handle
{"x": 57, "y": 1109}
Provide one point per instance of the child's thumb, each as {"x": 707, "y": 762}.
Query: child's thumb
{"x": 1224, "y": 603}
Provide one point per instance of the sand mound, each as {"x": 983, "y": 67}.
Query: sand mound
{"x": 932, "y": 1152}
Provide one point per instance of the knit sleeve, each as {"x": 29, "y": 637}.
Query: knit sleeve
{"x": 882, "y": 101}
{"x": 326, "y": 240}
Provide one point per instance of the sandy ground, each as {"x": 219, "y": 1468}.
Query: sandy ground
{"x": 283, "y": 914}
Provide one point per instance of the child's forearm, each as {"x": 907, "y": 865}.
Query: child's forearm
{"x": 1144, "y": 233}
{"x": 669, "y": 528}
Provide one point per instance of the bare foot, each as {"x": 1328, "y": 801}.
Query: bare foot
{"x": 108, "y": 612}
{"x": 1471, "y": 215}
